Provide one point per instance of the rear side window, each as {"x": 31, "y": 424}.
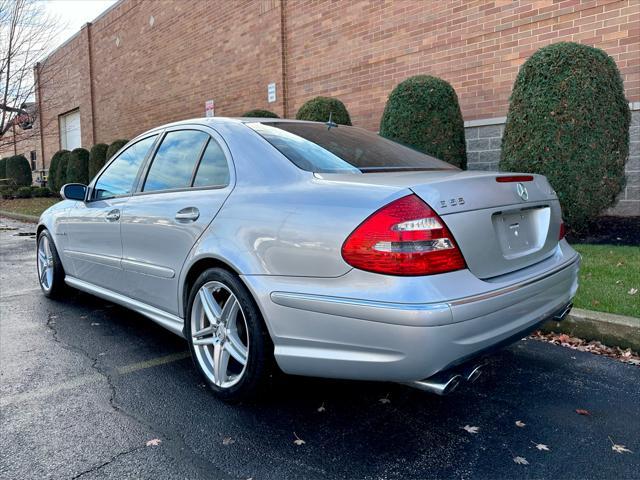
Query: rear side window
{"x": 120, "y": 175}
{"x": 175, "y": 160}
{"x": 341, "y": 149}
{"x": 213, "y": 169}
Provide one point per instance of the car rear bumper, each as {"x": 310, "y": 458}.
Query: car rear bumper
{"x": 326, "y": 335}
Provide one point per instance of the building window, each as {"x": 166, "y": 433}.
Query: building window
{"x": 33, "y": 160}
{"x": 70, "y": 137}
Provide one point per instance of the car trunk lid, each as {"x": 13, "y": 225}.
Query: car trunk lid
{"x": 500, "y": 226}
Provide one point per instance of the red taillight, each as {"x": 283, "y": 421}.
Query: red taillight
{"x": 562, "y": 231}
{"x": 405, "y": 237}
{"x": 515, "y": 178}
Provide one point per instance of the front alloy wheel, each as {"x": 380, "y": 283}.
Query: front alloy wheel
{"x": 50, "y": 271}
{"x": 229, "y": 343}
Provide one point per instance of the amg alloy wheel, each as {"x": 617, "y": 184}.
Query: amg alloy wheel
{"x": 219, "y": 334}
{"x": 227, "y": 337}
{"x": 50, "y": 271}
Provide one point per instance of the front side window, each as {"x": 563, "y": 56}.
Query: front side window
{"x": 175, "y": 160}
{"x": 316, "y": 148}
{"x": 120, "y": 175}
{"x": 213, "y": 169}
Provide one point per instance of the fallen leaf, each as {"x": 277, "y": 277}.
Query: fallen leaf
{"x": 618, "y": 448}
{"x": 633, "y": 291}
{"x": 471, "y": 429}
{"x": 321, "y": 408}
{"x": 619, "y": 264}
{"x": 520, "y": 460}
{"x": 542, "y": 446}
{"x": 154, "y": 442}
{"x": 581, "y": 411}
{"x": 520, "y": 423}
{"x": 298, "y": 440}
{"x": 228, "y": 441}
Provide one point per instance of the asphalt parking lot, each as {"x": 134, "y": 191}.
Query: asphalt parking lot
{"x": 86, "y": 385}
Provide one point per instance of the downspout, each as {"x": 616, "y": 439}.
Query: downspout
{"x": 40, "y": 126}
{"x": 283, "y": 46}
{"x": 91, "y": 97}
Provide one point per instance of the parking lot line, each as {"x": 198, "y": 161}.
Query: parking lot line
{"x": 88, "y": 379}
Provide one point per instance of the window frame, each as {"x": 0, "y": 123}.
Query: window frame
{"x": 62, "y": 118}
{"x": 212, "y": 135}
{"x": 91, "y": 189}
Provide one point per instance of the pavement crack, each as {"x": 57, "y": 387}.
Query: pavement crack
{"x": 175, "y": 444}
{"x": 104, "y": 464}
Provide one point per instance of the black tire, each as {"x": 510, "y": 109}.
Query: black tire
{"x": 260, "y": 362}
{"x": 57, "y": 284}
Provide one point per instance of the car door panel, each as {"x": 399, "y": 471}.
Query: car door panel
{"x": 156, "y": 244}
{"x": 160, "y": 227}
{"x": 94, "y": 244}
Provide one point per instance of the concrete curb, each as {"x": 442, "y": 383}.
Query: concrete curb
{"x": 19, "y": 216}
{"x": 607, "y": 328}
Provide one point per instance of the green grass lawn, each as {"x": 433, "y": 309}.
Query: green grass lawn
{"x": 607, "y": 274}
{"x": 28, "y": 206}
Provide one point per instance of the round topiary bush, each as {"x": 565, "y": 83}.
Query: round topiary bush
{"x": 19, "y": 170}
{"x": 115, "y": 146}
{"x": 40, "y": 192}
{"x": 97, "y": 158}
{"x": 260, "y": 114}
{"x": 423, "y": 113}
{"x": 78, "y": 166}
{"x": 3, "y": 168}
{"x": 318, "y": 110}
{"x": 52, "y": 174}
{"x": 61, "y": 171}
{"x": 568, "y": 119}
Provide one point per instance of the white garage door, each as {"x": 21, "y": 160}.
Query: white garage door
{"x": 70, "y": 130}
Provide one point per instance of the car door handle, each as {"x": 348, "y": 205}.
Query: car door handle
{"x": 189, "y": 214}
{"x": 113, "y": 215}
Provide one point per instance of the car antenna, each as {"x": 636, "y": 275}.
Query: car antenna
{"x": 330, "y": 123}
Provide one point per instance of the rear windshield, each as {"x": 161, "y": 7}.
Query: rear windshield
{"x": 316, "y": 148}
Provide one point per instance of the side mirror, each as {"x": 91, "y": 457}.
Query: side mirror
{"x": 74, "y": 191}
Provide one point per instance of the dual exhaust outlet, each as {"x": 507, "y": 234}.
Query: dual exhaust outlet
{"x": 445, "y": 383}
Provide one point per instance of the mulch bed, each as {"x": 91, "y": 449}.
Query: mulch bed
{"x": 610, "y": 231}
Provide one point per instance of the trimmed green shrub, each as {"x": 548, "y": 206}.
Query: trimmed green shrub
{"x": 40, "y": 192}
{"x": 97, "y": 158}
{"x": 53, "y": 171}
{"x": 115, "y": 146}
{"x": 568, "y": 119}
{"x": 423, "y": 113}
{"x": 3, "y": 168}
{"x": 61, "y": 171}
{"x": 23, "y": 192}
{"x": 318, "y": 109}
{"x": 19, "y": 170}
{"x": 7, "y": 191}
{"x": 78, "y": 166}
{"x": 260, "y": 114}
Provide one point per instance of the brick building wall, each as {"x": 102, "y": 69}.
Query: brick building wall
{"x": 144, "y": 63}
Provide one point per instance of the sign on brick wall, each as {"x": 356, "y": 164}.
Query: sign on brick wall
{"x": 271, "y": 92}
{"x": 209, "y": 108}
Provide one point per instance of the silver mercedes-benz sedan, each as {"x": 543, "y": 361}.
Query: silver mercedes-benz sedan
{"x": 317, "y": 249}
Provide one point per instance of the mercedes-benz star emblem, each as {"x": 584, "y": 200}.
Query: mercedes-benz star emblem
{"x": 522, "y": 192}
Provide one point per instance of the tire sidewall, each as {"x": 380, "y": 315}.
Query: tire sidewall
{"x": 259, "y": 341}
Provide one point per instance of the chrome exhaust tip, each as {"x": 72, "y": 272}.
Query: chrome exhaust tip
{"x": 473, "y": 373}
{"x": 437, "y": 386}
{"x": 558, "y": 317}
